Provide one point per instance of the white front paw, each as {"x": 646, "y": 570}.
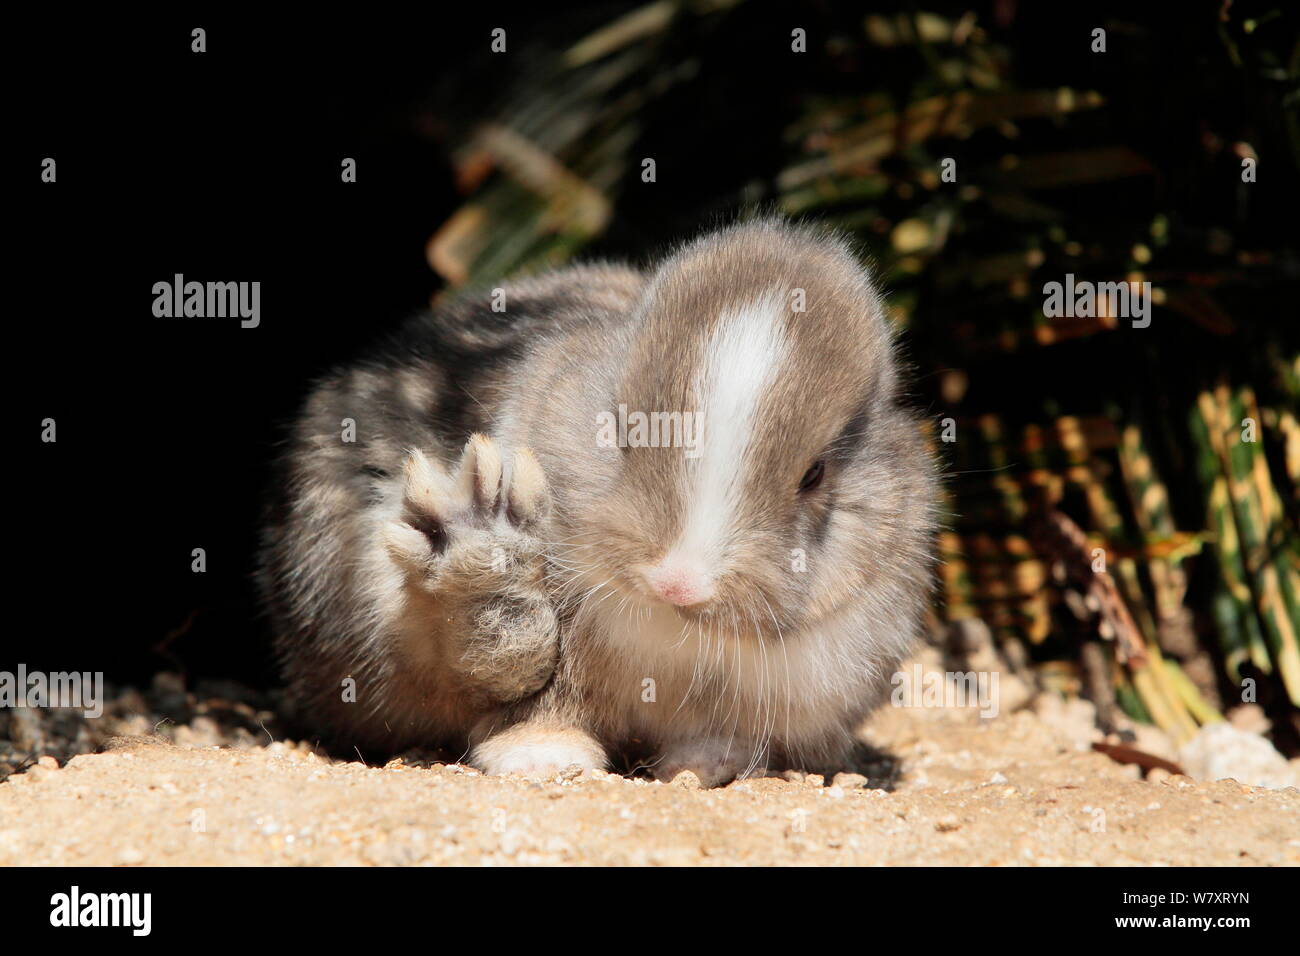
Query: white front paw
{"x": 536, "y": 751}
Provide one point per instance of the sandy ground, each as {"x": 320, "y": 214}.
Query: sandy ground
{"x": 944, "y": 789}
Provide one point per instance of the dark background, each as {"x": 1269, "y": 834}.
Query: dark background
{"x": 225, "y": 166}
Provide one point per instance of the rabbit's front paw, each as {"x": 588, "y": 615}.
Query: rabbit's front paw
{"x": 533, "y": 749}
{"x": 467, "y": 539}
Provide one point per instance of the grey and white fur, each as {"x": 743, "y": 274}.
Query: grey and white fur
{"x": 491, "y": 574}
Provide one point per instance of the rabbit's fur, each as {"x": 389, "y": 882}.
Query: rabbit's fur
{"x": 499, "y": 593}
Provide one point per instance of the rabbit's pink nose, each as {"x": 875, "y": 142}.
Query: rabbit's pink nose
{"x": 681, "y": 582}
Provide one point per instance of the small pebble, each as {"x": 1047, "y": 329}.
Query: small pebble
{"x": 850, "y": 781}
{"x": 512, "y": 842}
{"x": 130, "y": 856}
{"x": 687, "y": 780}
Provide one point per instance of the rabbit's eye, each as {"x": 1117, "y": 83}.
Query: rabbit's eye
{"x": 813, "y": 476}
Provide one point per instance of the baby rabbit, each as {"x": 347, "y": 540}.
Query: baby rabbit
{"x": 702, "y": 520}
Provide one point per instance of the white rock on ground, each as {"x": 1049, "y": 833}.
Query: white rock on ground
{"x": 1221, "y": 751}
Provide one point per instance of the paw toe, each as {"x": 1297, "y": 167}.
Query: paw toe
{"x": 526, "y": 499}
{"x": 427, "y": 489}
{"x": 480, "y": 473}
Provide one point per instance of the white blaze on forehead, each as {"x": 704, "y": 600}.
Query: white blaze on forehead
{"x": 741, "y": 357}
